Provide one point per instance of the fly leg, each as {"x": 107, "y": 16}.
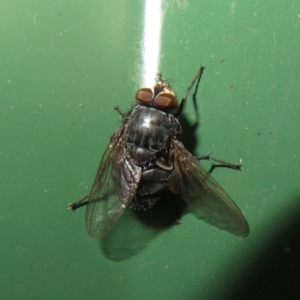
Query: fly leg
{"x": 82, "y": 202}
{"x": 183, "y": 101}
{"x": 221, "y": 163}
{"x": 119, "y": 110}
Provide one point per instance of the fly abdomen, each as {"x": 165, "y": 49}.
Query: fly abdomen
{"x": 153, "y": 185}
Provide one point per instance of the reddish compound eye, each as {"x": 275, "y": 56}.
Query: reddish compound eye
{"x": 166, "y": 100}
{"x": 144, "y": 95}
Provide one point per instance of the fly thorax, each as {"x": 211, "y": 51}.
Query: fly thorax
{"x": 148, "y": 131}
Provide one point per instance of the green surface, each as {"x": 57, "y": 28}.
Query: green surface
{"x": 64, "y": 64}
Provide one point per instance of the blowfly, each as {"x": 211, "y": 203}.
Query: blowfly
{"x": 145, "y": 160}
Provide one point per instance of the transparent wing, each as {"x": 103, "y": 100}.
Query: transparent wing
{"x": 113, "y": 189}
{"x": 198, "y": 188}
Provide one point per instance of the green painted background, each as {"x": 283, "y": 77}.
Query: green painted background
{"x": 64, "y": 64}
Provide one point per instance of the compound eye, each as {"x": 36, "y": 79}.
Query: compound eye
{"x": 166, "y": 100}
{"x": 144, "y": 95}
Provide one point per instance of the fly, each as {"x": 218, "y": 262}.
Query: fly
{"x": 145, "y": 161}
